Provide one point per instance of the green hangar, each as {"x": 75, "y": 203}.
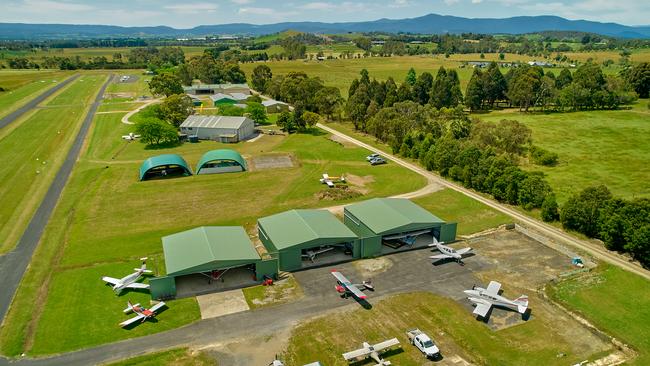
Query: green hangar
{"x": 385, "y": 225}
{"x": 210, "y": 258}
{"x": 164, "y": 166}
{"x": 221, "y": 161}
{"x": 307, "y": 238}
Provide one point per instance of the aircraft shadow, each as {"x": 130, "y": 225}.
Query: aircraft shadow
{"x": 384, "y": 355}
{"x": 442, "y": 261}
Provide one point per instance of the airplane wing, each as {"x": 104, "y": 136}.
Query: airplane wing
{"x": 111, "y": 280}
{"x": 493, "y": 288}
{"x": 157, "y": 306}
{"x": 137, "y": 285}
{"x": 340, "y": 277}
{"x": 356, "y": 353}
{"x": 385, "y": 344}
{"x": 355, "y": 291}
{"x": 440, "y": 256}
{"x": 463, "y": 251}
{"x": 329, "y": 183}
{"x": 132, "y": 320}
{"x": 482, "y": 309}
{"x": 399, "y": 236}
{"x": 326, "y": 176}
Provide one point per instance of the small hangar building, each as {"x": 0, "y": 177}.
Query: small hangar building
{"x": 221, "y": 161}
{"x": 209, "y": 258}
{"x": 306, "y": 238}
{"x": 217, "y": 88}
{"x": 385, "y": 225}
{"x": 219, "y": 128}
{"x": 164, "y": 166}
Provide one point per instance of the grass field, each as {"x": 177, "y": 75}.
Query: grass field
{"x": 33, "y": 148}
{"x": 24, "y": 85}
{"x": 175, "y": 357}
{"x": 595, "y": 147}
{"x": 614, "y": 300}
{"x": 536, "y": 342}
{"x": 94, "y": 233}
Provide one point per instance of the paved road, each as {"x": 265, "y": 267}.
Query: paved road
{"x": 411, "y": 271}
{"x": 14, "y": 264}
{"x": 557, "y": 234}
{"x": 11, "y": 117}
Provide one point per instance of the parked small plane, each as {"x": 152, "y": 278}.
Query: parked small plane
{"x": 448, "y": 252}
{"x": 142, "y": 313}
{"x": 312, "y": 253}
{"x": 408, "y": 238}
{"x": 130, "y": 280}
{"x": 346, "y": 288}
{"x": 486, "y": 298}
{"x": 372, "y": 351}
{"x": 331, "y": 181}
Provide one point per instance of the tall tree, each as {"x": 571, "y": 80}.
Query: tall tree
{"x": 474, "y": 95}
{"x": 422, "y": 88}
{"x": 261, "y": 76}
{"x": 639, "y": 78}
{"x": 411, "y": 77}
{"x": 165, "y": 84}
{"x": 494, "y": 84}
{"x": 176, "y": 108}
{"x": 564, "y": 79}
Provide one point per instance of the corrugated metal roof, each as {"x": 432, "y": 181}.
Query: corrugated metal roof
{"x": 218, "y": 246}
{"x": 385, "y": 214}
{"x": 160, "y": 160}
{"x": 221, "y": 96}
{"x": 270, "y": 102}
{"x": 296, "y": 227}
{"x": 200, "y": 121}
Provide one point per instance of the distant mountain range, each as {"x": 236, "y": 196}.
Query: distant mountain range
{"x": 428, "y": 24}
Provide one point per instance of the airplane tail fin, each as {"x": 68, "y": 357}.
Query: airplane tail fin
{"x": 143, "y": 268}
{"x": 522, "y": 303}
{"x": 129, "y": 306}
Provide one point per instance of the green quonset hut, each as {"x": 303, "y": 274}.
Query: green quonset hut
{"x": 221, "y": 161}
{"x": 306, "y": 238}
{"x": 207, "y": 249}
{"x": 164, "y": 166}
{"x": 380, "y": 219}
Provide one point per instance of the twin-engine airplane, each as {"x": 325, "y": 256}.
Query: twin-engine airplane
{"x": 486, "y": 298}
{"x": 372, "y": 351}
{"x": 142, "y": 312}
{"x": 130, "y": 280}
{"x": 331, "y": 181}
{"x": 347, "y": 288}
{"x": 447, "y": 252}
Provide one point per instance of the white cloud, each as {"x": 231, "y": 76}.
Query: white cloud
{"x": 451, "y": 2}
{"x": 318, "y": 6}
{"x": 399, "y": 4}
{"x": 48, "y": 5}
{"x": 477, "y": 1}
{"x": 192, "y": 8}
{"x": 241, "y": 2}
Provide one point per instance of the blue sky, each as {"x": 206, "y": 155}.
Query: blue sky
{"x": 189, "y": 13}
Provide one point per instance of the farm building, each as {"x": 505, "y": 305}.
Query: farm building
{"x": 275, "y": 106}
{"x": 305, "y": 238}
{"x": 195, "y": 100}
{"x": 218, "y": 128}
{"x": 210, "y": 258}
{"x": 221, "y": 161}
{"x": 217, "y": 88}
{"x": 385, "y": 225}
{"x": 164, "y": 166}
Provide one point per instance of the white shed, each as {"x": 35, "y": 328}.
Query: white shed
{"x": 218, "y": 128}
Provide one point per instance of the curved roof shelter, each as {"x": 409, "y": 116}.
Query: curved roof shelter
{"x": 166, "y": 165}
{"x": 221, "y": 161}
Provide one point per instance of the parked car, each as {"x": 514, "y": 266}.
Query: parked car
{"x": 377, "y": 161}
{"x": 372, "y": 157}
{"x": 424, "y": 343}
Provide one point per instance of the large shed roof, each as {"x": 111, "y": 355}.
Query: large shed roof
{"x": 161, "y": 160}
{"x": 199, "y": 121}
{"x": 206, "y": 248}
{"x": 304, "y": 227}
{"x": 384, "y": 215}
{"x": 221, "y": 154}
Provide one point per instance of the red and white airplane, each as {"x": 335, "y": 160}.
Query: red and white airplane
{"x": 346, "y": 288}
{"x": 142, "y": 312}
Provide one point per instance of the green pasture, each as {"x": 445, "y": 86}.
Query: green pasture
{"x": 455, "y": 330}
{"x": 175, "y": 357}
{"x": 595, "y": 147}
{"x": 33, "y": 149}
{"x": 134, "y": 89}
{"x": 23, "y": 86}
{"x": 615, "y": 301}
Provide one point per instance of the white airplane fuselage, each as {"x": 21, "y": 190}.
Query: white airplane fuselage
{"x": 448, "y": 251}
{"x": 478, "y": 295}
{"x": 127, "y": 280}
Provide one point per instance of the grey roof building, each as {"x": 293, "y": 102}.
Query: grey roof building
{"x": 219, "y": 128}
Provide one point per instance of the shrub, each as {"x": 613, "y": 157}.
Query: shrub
{"x": 544, "y": 157}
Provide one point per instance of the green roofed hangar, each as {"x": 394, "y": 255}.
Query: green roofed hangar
{"x": 385, "y": 225}
{"x": 164, "y": 166}
{"x": 221, "y": 161}
{"x": 210, "y": 258}
{"x": 306, "y": 238}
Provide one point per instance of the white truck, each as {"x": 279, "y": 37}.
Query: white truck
{"x": 422, "y": 342}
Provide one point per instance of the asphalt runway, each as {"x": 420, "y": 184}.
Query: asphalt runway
{"x": 11, "y": 117}
{"x": 14, "y": 263}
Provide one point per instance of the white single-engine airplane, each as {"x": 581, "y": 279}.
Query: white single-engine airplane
{"x": 372, "y": 351}
{"x": 486, "y": 298}
{"x": 448, "y": 252}
{"x": 330, "y": 181}
{"x": 142, "y": 313}
{"x": 346, "y": 288}
{"x": 130, "y": 280}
